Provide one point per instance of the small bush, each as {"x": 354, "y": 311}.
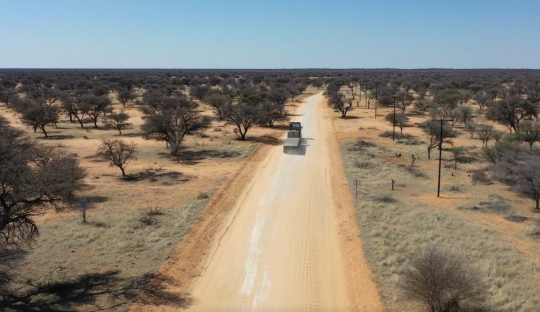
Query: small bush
{"x": 364, "y": 144}
{"x": 384, "y": 198}
{"x": 535, "y": 231}
{"x": 361, "y": 164}
{"x": 409, "y": 141}
{"x": 416, "y": 173}
{"x": 148, "y": 216}
{"x": 202, "y": 196}
{"x": 499, "y": 207}
{"x": 154, "y": 212}
{"x": 516, "y": 218}
{"x": 146, "y": 220}
{"x": 388, "y": 134}
{"x": 226, "y": 154}
{"x": 480, "y": 176}
{"x": 441, "y": 282}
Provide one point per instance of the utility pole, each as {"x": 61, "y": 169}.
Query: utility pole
{"x": 394, "y": 123}
{"x": 376, "y": 99}
{"x": 440, "y": 157}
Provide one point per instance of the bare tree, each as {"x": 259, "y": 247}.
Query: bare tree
{"x": 400, "y": 120}
{"x": 457, "y": 153}
{"x": 484, "y": 132}
{"x": 96, "y": 105}
{"x": 117, "y": 152}
{"x": 118, "y": 121}
{"x": 441, "y": 282}
{"x": 433, "y": 129}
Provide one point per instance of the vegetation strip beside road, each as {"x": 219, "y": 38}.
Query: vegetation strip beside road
{"x": 396, "y": 227}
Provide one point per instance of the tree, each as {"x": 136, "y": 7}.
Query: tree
{"x": 278, "y": 96}
{"x": 403, "y": 100}
{"x": 40, "y": 116}
{"x": 336, "y": 100}
{"x": 441, "y": 282}
{"x": 125, "y": 96}
{"x": 199, "y": 91}
{"x": 447, "y": 100}
{"x": 7, "y": 96}
{"x": 251, "y": 97}
{"x": 293, "y": 92}
{"x": 511, "y": 111}
{"x": 100, "y": 91}
{"x": 464, "y": 96}
{"x": 243, "y": 117}
{"x": 484, "y": 133}
{"x": 470, "y": 126}
{"x": 69, "y": 104}
{"x": 94, "y": 106}
{"x": 529, "y": 131}
{"x": 433, "y": 129}
{"x": 527, "y": 173}
{"x": 117, "y": 152}
{"x": 270, "y": 113}
{"x": 400, "y": 119}
{"x": 118, "y": 121}
{"x": 457, "y": 153}
{"x": 31, "y": 178}
{"x": 482, "y": 100}
{"x": 465, "y": 114}
{"x": 171, "y": 119}
{"x": 218, "y": 103}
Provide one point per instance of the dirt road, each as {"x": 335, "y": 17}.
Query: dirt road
{"x": 280, "y": 250}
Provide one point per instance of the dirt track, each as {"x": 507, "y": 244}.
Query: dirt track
{"x": 280, "y": 249}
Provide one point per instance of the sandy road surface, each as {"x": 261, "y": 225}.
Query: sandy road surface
{"x": 281, "y": 251}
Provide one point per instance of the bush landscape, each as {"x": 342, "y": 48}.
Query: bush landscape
{"x": 187, "y": 132}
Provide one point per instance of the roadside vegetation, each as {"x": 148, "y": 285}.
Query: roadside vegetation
{"x": 484, "y": 225}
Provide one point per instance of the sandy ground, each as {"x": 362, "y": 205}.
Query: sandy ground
{"x": 281, "y": 246}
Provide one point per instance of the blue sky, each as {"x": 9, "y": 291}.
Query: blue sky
{"x": 269, "y": 34}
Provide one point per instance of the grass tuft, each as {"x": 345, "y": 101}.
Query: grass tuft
{"x": 383, "y": 198}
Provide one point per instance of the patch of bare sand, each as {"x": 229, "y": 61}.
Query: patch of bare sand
{"x": 363, "y": 292}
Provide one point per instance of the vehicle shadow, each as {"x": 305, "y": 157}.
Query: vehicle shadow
{"x": 302, "y": 148}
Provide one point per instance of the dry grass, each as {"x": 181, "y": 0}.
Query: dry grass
{"x": 394, "y": 231}
{"x": 127, "y": 245}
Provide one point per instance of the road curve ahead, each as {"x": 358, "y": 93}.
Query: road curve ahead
{"x": 280, "y": 249}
